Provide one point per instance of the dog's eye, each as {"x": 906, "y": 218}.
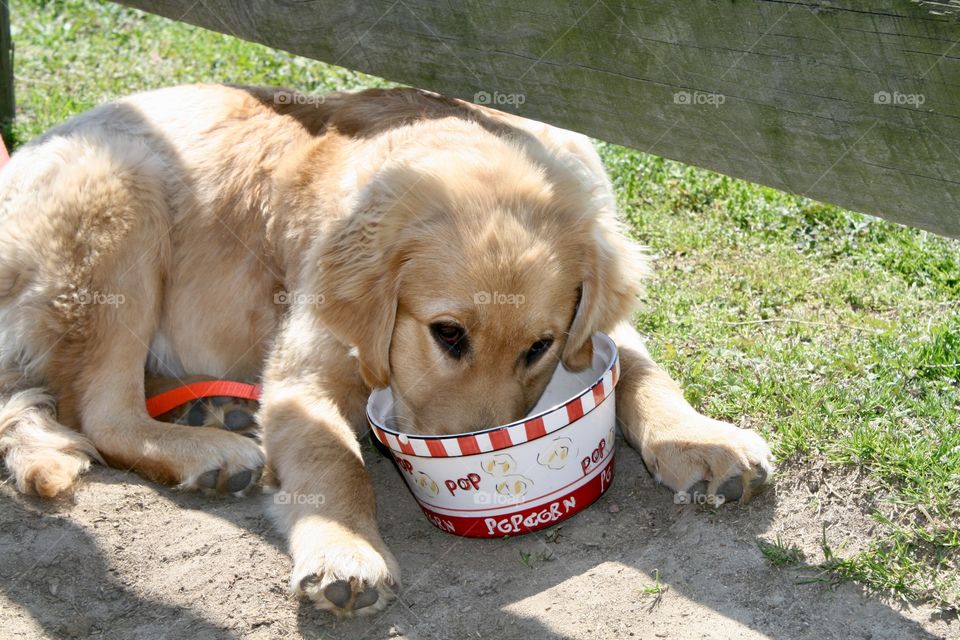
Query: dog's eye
{"x": 537, "y": 349}
{"x": 451, "y": 337}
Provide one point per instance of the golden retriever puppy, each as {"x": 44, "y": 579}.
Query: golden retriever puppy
{"x": 324, "y": 246}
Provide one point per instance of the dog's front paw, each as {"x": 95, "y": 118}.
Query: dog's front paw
{"x": 220, "y": 462}
{"x": 710, "y": 458}
{"x": 342, "y": 572}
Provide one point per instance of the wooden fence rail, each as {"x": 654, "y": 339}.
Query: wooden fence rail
{"x": 7, "y": 106}
{"x": 854, "y": 103}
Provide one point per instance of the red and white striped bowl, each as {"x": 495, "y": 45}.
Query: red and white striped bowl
{"x": 522, "y": 476}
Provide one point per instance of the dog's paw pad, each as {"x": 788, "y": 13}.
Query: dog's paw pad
{"x": 196, "y": 414}
{"x": 733, "y": 488}
{"x": 208, "y": 479}
{"x": 217, "y": 480}
{"x": 237, "y": 420}
{"x": 239, "y": 481}
{"x": 218, "y": 412}
{"x": 713, "y": 462}
{"x": 369, "y": 597}
{"x": 345, "y": 575}
{"x": 345, "y": 595}
{"x": 339, "y": 593}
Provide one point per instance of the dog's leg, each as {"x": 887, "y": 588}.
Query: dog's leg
{"x": 312, "y": 394}
{"x": 84, "y": 298}
{"x": 109, "y": 395}
{"x": 681, "y": 447}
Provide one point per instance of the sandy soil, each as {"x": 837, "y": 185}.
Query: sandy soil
{"x": 127, "y": 559}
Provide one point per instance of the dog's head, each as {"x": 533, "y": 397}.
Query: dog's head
{"x": 466, "y": 273}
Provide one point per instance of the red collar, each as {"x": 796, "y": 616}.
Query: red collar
{"x": 169, "y": 400}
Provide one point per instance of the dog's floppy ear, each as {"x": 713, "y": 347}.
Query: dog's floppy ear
{"x": 358, "y": 267}
{"x": 612, "y": 269}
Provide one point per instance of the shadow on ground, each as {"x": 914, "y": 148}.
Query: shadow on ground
{"x": 131, "y": 560}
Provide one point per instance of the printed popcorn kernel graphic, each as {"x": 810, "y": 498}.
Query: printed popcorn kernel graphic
{"x": 514, "y": 486}
{"x": 556, "y": 454}
{"x": 426, "y": 483}
{"x": 499, "y": 465}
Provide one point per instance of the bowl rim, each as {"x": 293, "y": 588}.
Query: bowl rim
{"x": 526, "y": 429}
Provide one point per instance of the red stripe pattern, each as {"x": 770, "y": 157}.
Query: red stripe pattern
{"x": 436, "y": 449}
{"x": 535, "y": 429}
{"x": 500, "y": 439}
{"x": 468, "y": 445}
{"x": 405, "y": 446}
{"x": 598, "y": 394}
{"x": 574, "y": 411}
{"x": 508, "y": 436}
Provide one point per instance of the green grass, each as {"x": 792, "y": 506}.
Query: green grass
{"x": 656, "y": 588}
{"x": 780, "y": 553}
{"x": 654, "y": 591}
{"x": 835, "y": 335}
{"x": 74, "y": 54}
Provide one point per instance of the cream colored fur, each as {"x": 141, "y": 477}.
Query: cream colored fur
{"x": 316, "y": 245}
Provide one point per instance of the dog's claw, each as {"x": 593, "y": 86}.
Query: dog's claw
{"x": 310, "y": 581}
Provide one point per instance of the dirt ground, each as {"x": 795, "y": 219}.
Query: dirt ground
{"x": 127, "y": 559}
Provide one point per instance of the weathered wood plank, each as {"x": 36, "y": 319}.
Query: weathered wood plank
{"x": 7, "y": 104}
{"x": 843, "y": 101}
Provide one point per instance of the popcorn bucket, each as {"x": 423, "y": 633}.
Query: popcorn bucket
{"x": 522, "y": 476}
